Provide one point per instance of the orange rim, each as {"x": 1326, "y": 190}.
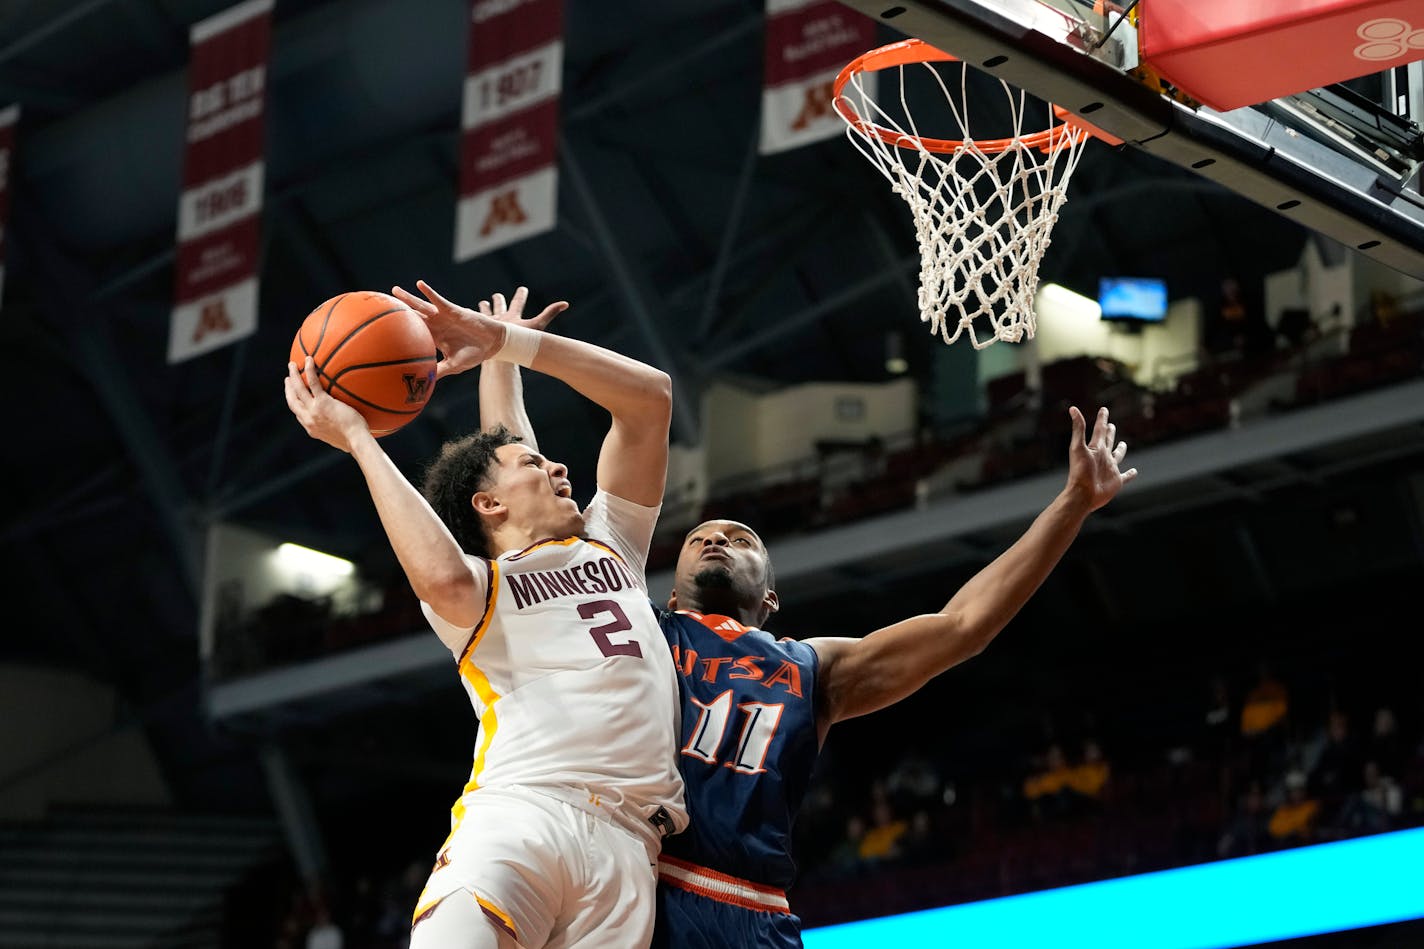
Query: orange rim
{"x": 911, "y": 51}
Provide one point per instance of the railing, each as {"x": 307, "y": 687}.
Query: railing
{"x": 1023, "y": 435}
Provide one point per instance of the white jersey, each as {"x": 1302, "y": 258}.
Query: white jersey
{"x": 570, "y": 675}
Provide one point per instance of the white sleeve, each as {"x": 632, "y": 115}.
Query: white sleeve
{"x": 456, "y": 638}
{"x": 625, "y": 526}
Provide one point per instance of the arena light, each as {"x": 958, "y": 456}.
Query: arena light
{"x": 895, "y": 362}
{"x": 1368, "y": 881}
{"x": 313, "y": 563}
{"x": 1060, "y": 300}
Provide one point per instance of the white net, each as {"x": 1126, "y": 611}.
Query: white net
{"x": 983, "y": 211}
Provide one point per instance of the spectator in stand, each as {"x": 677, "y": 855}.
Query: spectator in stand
{"x": 914, "y": 783}
{"x": 881, "y": 843}
{"x": 1088, "y": 779}
{"x": 357, "y": 909}
{"x": 1266, "y": 705}
{"x": 1333, "y": 762}
{"x": 1047, "y": 790}
{"x": 397, "y": 896}
{"x": 1217, "y": 722}
{"x": 1232, "y": 311}
{"x": 844, "y": 861}
{"x": 1239, "y": 325}
{"x": 1246, "y": 834}
{"x": 1374, "y": 808}
{"x": 291, "y": 932}
{"x": 1293, "y": 822}
{"x": 820, "y": 825}
{"x": 1384, "y": 308}
{"x": 324, "y": 933}
{"x": 921, "y": 845}
{"x": 1263, "y": 724}
{"x": 1386, "y": 746}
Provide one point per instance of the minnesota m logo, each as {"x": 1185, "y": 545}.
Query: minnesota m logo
{"x": 417, "y": 388}
{"x": 504, "y": 209}
{"x": 212, "y": 319}
{"x": 816, "y": 105}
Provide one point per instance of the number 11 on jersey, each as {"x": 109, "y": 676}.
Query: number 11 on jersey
{"x": 758, "y": 729}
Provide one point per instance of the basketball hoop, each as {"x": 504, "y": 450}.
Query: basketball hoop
{"x": 983, "y": 210}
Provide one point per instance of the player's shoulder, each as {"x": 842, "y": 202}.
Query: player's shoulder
{"x": 671, "y": 620}
{"x": 606, "y": 506}
{"x": 794, "y": 645}
{"x": 801, "y": 651}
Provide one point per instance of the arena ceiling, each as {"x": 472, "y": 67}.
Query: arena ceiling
{"x": 677, "y": 243}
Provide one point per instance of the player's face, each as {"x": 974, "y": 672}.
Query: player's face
{"x": 721, "y": 555}
{"x": 536, "y": 491}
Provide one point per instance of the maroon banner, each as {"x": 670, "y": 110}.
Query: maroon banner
{"x": 219, "y": 213}
{"x": 510, "y": 123}
{"x": 512, "y": 147}
{"x": 9, "y": 118}
{"x": 808, "y": 42}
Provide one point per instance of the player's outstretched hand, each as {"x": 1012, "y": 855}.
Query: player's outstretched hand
{"x": 513, "y": 311}
{"x": 1095, "y": 463}
{"x": 324, "y": 418}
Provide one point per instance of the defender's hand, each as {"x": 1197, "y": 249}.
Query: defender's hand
{"x": 1094, "y": 464}
{"x": 513, "y": 312}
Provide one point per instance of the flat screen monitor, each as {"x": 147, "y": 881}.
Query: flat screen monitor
{"x": 1142, "y": 299}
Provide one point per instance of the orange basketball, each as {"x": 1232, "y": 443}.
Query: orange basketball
{"x": 372, "y": 352}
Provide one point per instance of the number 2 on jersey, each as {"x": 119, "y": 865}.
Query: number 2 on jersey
{"x": 620, "y": 624}
{"x": 757, "y": 733}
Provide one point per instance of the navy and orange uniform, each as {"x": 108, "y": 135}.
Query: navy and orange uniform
{"x": 747, "y": 749}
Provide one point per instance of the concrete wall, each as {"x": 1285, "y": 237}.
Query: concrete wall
{"x": 251, "y": 558}
{"x": 1070, "y": 325}
{"x": 746, "y": 432}
{"x": 59, "y": 746}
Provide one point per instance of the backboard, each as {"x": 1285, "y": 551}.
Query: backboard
{"x": 1342, "y": 159}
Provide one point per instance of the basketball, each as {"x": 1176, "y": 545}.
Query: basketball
{"x": 372, "y": 352}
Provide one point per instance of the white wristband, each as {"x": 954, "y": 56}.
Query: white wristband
{"x": 521, "y": 344}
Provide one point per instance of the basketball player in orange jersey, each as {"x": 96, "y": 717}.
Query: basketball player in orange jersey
{"x": 554, "y": 840}
{"x": 756, "y": 708}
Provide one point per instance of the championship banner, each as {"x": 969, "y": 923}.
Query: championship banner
{"x": 219, "y": 213}
{"x": 510, "y": 124}
{"x": 8, "y": 119}
{"x": 808, "y": 42}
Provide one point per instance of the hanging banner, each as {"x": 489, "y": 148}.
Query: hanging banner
{"x": 219, "y": 213}
{"x": 9, "y": 117}
{"x": 808, "y": 42}
{"x": 510, "y": 125}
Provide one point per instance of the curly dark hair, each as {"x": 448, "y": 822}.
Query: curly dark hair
{"x": 460, "y": 470}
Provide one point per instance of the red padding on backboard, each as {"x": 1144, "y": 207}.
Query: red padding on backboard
{"x": 1233, "y": 53}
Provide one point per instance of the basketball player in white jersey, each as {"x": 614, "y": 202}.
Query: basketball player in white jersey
{"x": 554, "y": 840}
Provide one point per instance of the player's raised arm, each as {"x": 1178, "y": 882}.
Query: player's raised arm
{"x": 501, "y": 385}
{"x": 633, "y": 462}
{"x": 427, "y": 551}
{"x": 863, "y": 675}
{"x": 502, "y": 401}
